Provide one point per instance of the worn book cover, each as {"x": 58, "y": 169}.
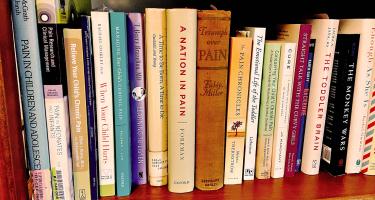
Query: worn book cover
{"x": 212, "y": 72}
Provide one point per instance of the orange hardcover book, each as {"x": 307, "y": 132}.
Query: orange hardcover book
{"x": 212, "y": 72}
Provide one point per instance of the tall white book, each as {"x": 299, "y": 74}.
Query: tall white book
{"x": 283, "y": 102}
{"x": 324, "y": 31}
{"x": 258, "y": 35}
{"x": 104, "y": 105}
{"x": 362, "y": 88}
{"x": 181, "y": 76}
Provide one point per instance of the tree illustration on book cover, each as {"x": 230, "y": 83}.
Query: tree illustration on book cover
{"x": 235, "y": 126}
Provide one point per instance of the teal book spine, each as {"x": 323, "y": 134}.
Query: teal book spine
{"x": 121, "y": 102}
{"x": 30, "y": 76}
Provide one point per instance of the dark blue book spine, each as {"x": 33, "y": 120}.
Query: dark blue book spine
{"x": 90, "y": 102}
{"x": 305, "y": 99}
{"x": 137, "y": 99}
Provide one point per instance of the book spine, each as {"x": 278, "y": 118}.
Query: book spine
{"x": 78, "y": 114}
{"x": 267, "y": 110}
{"x": 305, "y": 99}
{"x": 283, "y": 102}
{"x": 121, "y": 103}
{"x": 30, "y": 76}
{"x": 55, "y": 92}
{"x": 104, "y": 105}
{"x": 90, "y": 104}
{"x": 325, "y": 33}
{"x": 304, "y": 34}
{"x": 181, "y": 75}
{"x": 212, "y": 72}
{"x": 138, "y": 94}
{"x": 368, "y": 157}
{"x": 258, "y": 35}
{"x": 13, "y": 185}
{"x": 239, "y": 75}
{"x": 362, "y": 87}
{"x": 156, "y": 84}
{"x": 339, "y": 108}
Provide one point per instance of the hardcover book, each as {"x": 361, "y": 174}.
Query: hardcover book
{"x": 78, "y": 112}
{"x": 181, "y": 75}
{"x": 212, "y": 72}
{"x": 12, "y": 158}
{"x": 104, "y": 102}
{"x": 52, "y": 17}
{"x": 365, "y": 66}
{"x": 282, "y": 113}
{"x": 299, "y": 34}
{"x": 272, "y": 52}
{"x": 138, "y": 94}
{"x": 156, "y": 84}
{"x": 90, "y": 104}
{"x": 324, "y": 31}
{"x": 121, "y": 103}
{"x": 336, "y": 131}
{"x": 259, "y": 36}
{"x": 239, "y": 75}
{"x": 31, "y": 86}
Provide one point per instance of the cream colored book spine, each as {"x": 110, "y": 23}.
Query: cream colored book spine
{"x": 283, "y": 102}
{"x": 181, "y": 75}
{"x": 156, "y": 73}
{"x": 104, "y": 105}
{"x": 362, "y": 88}
{"x": 239, "y": 75}
{"x": 324, "y": 31}
{"x": 78, "y": 114}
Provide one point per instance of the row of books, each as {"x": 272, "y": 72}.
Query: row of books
{"x": 281, "y": 106}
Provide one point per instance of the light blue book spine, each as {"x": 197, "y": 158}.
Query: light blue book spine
{"x": 29, "y": 66}
{"x": 121, "y": 102}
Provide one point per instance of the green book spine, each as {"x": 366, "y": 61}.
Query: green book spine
{"x": 267, "y": 109}
{"x": 121, "y": 102}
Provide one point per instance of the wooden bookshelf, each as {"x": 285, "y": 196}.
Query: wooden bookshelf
{"x": 301, "y": 186}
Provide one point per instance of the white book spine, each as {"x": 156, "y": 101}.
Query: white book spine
{"x": 59, "y": 142}
{"x": 258, "y": 35}
{"x": 104, "y": 105}
{"x": 362, "y": 88}
{"x": 324, "y": 31}
{"x": 283, "y": 102}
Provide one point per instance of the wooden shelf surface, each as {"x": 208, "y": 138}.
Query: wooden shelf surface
{"x": 300, "y": 186}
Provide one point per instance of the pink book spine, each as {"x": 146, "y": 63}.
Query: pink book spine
{"x": 297, "y": 98}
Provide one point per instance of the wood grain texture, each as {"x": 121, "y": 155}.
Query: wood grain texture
{"x": 12, "y": 157}
{"x": 300, "y": 186}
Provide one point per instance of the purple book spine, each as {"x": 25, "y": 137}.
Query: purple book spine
{"x": 137, "y": 99}
{"x": 297, "y": 98}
